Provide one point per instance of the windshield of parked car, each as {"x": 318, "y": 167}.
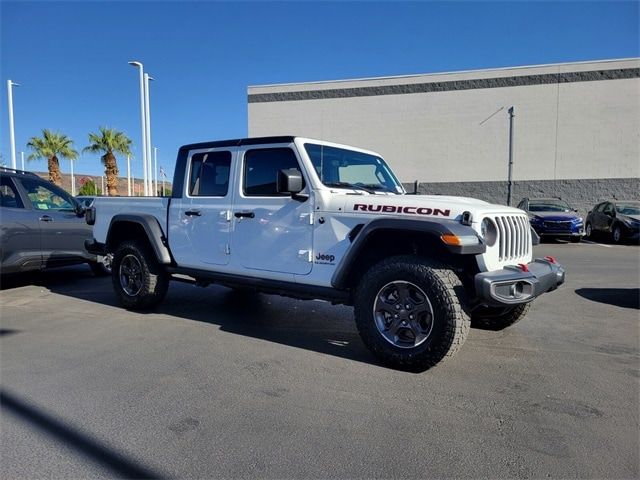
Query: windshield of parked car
{"x": 628, "y": 208}
{"x": 339, "y": 167}
{"x": 549, "y": 206}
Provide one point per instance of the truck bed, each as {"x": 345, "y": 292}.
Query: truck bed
{"x": 108, "y": 207}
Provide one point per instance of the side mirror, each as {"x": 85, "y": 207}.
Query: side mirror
{"x": 290, "y": 181}
{"x": 80, "y": 210}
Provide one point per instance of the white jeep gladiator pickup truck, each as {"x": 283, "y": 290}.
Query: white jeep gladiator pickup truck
{"x": 316, "y": 220}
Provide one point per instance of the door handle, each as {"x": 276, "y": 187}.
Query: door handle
{"x": 193, "y": 213}
{"x": 244, "y": 215}
{"x": 46, "y": 218}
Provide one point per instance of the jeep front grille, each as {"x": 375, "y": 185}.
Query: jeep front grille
{"x": 514, "y": 236}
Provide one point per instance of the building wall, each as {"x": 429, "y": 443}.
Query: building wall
{"x": 572, "y": 122}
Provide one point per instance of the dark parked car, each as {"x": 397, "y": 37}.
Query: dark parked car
{"x": 553, "y": 218}
{"x": 41, "y": 226}
{"x": 618, "y": 218}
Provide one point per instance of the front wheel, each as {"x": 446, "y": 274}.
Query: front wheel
{"x": 616, "y": 234}
{"x": 138, "y": 279}
{"x": 410, "y": 312}
{"x": 588, "y": 230}
{"x": 494, "y": 318}
{"x": 575, "y": 239}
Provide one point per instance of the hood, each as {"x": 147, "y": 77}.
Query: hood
{"x": 632, "y": 217}
{"x": 439, "y": 206}
{"x": 555, "y": 216}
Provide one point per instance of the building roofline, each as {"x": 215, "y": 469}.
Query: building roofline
{"x": 434, "y": 74}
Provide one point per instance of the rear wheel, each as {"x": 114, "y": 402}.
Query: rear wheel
{"x": 138, "y": 279}
{"x": 410, "y": 312}
{"x": 493, "y": 318}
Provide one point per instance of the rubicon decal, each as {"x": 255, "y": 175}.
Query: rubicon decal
{"x": 404, "y": 210}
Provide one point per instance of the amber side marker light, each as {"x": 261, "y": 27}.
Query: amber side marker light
{"x": 452, "y": 239}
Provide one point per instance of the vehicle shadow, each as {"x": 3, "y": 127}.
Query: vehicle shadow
{"x": 118, "y": 464}
{"x": 311, "y": 325}
{"x": 619, "y": 297}
{"x": 56, "y": 276}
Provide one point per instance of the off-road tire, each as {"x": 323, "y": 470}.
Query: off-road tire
{"x": 450, "y": 322}
{"x": 151, "y": 286}
{"x": 491, "y": 318}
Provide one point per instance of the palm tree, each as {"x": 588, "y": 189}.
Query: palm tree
{"x": 51, "y": 146}
{"x": 109, "y": 140}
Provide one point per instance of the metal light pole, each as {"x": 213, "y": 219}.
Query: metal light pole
{"x": 155, "y": 170}
{"x": 150, "y": 191}
{"x": 143, "y": 123}
{"x": 129, "y": 175}
{"x": 510, "y": 178}
{"x": 12, "y": 135}
{"x": 102, "y": 184}
{"x": 73, "y": 180}
{"x": 22, "y": 160}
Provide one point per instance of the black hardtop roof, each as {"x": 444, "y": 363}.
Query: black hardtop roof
{"x": 238, "y": 142}
{"x": 13, "y": 171}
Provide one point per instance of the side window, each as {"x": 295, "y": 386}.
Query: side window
{"x": 210, "y": 174}
{"x": 47, "y": 197}
{"x": 261, "y": 167}
{"x": 9, "y": 195}
{"x": 608, "y": 209}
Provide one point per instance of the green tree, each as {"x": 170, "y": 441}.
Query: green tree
{"x": 108, "y": 142}
{"x": 51, "y": 146}
{"x": 88, "y": 188}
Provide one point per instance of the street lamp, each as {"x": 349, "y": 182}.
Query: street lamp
{"x": 12, "y": 135}
{"x": 143, "y": 122}
{"x": 73, "y": 180}
{"x": 155, "y": 170}
{"x": 147, "y": 79}
{"x": 129, "y": 175}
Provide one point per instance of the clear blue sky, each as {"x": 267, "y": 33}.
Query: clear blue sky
{"x": 71, "y": 57}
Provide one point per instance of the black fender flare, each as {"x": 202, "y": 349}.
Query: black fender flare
{"x": 153, "y": 232}
{"x": 433, "y": 228}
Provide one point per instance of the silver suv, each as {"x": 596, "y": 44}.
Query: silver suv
{"x": 41, "y": 226}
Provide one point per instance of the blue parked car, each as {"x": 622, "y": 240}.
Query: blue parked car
{"x": 553, "y": 218}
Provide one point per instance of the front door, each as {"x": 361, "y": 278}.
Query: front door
{"x": 272, "y": 231}
{"x": 201, "y": 219}
{"x": 62, "y": 231}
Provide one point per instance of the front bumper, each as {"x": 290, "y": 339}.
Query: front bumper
{"x": 519, "y": 284}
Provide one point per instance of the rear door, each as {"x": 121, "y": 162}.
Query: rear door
{"x": 200, "y": 220}
{"x": 272, "y": 231}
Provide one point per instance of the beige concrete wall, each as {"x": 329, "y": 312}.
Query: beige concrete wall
{"x": 571, "y": 130}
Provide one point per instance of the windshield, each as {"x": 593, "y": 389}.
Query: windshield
{"x": 338, "y": 167}
{"x": 628, "y": 208}
{"x": 548, "y": 206}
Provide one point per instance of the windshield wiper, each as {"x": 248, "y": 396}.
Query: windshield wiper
{"x": 364, "y": 188}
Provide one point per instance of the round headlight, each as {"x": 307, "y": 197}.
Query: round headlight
{"x": 489, "y": 232}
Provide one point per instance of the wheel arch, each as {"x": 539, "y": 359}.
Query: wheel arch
{"x": 383, "y": 238}
{"x": 143, "y": 227}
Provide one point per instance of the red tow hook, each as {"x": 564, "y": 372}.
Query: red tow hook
{"x": 550, "y": 259}
{"x": 523, "y": 267}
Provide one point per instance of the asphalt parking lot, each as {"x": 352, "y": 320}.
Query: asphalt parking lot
{"x": 218, "y": 385}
